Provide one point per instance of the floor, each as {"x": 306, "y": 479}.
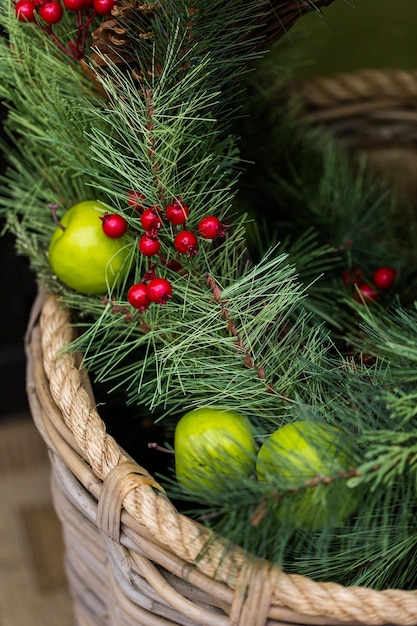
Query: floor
{"x": 33, "y": 589}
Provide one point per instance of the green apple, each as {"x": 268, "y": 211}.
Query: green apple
{"x": 214, "y": 448}
{"x": 308, "y": 462}
{"x": 82, "y": 256}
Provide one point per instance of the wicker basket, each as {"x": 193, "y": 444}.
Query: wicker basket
{"x": 373, "y": 111}
{"x": 131, "y": 558}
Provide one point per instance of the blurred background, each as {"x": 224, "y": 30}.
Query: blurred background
{"x": 17, "y": 293}
{"x": 349, "y": 35}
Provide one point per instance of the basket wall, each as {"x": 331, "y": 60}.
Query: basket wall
{"x": 373, "y": 112}
{"x": 131, "y": 559}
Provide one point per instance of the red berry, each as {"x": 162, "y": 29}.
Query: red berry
{"x": 114, "y": 225}
{"x": 135, "y": 199}
{"x": 52, "y": 12}
{"x": 177, "y": 212}
{"x": 137, "y": 296}
{"x": 159, "y": 290}
{"x": 186, "y": 243}
{"x": 151, "y": 220}
{"x": 102, "y": 7}
{"x": 210, "y": 227}
{"x": 74, "y": 5}
{"x": 25, "y": 11}
{"x": 149, "y": 245}
{"x": 384, "y": 277}
{"x": 366, "y": 293}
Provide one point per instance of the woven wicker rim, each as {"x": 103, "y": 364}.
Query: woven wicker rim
{"x": 367, "y": 108}
{"x": 128, "y": 496}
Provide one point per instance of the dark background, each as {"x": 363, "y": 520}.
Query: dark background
{"x": 18, "y": 289}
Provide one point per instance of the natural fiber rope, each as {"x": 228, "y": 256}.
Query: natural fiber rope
{"x": 126, "y": 476}
{"x": 253, "y": 595}
{"x": 190, "y": 541}
{"x": 89, "y": 431}
{"x": 103, "y": 453}
{"x": 322, "y": 93}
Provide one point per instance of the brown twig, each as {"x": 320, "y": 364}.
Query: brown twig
{"x": 248, "y": 358}
{"x": 315, "y": 481}
{"x": 156, "y": 446}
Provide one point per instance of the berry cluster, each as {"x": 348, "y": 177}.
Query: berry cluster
{"x": 155, "y": 289}
{"x": 185, "y": 242}
{"x": 152, "y": 218}
{"x": 383, "y": 279}
{"x": 176, "y": 214}
{"x": 49, "y": 12}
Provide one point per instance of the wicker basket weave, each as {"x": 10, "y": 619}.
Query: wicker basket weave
{"x": 131, "y": 558}
{"x": 370, "y": 110}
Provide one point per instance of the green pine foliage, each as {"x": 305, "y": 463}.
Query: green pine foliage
{"x": 260, "y": 320}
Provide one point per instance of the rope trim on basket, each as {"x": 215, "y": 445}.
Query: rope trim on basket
{"x": 359, "y": 87}
{"x": 366, "y": 109}
{"x": 256, "y": 583}
{"x": 117, "y": 484}
{"x": 253, "y": 595}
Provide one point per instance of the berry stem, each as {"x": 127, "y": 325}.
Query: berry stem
{"x": 150, "y": 273}
{"x": 82, "y": 31}
{"x": 79, "y": 22}
{"x": 49, "y": 31}
{"x": 54, "y": 208}
{"x": 74, "y": 50}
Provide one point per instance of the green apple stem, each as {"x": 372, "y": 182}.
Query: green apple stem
{"x": 54, "y": 208}
{"x": 156, "y": 446}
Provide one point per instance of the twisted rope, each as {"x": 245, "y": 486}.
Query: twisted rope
{"x": 361, "y": 86}
{"x": 255, "y": 581}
